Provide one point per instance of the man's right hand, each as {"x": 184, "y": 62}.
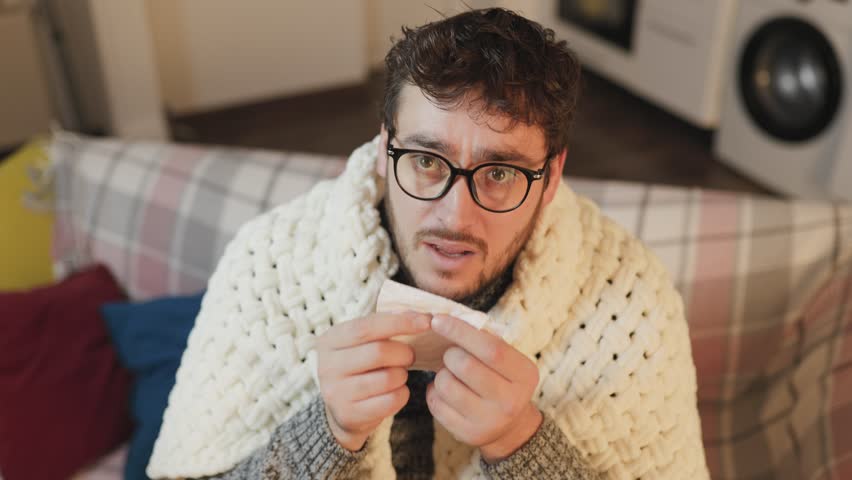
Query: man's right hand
{"x": 362, "y": 373}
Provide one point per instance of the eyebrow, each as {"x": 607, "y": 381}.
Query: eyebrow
{"x": 507, "y": 155}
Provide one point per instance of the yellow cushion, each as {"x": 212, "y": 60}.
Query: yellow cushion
{"x": 25, "y": 234}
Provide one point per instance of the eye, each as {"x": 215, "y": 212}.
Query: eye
{"x": 501, "y": 174}
{"x": 425, "y": 162}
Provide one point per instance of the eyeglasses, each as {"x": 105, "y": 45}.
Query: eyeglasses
{"x": 496, "y": 187}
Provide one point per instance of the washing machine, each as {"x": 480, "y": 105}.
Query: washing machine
{"x": 786, "y": 117}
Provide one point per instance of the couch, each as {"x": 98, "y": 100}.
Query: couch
{"x": 767, "y": 283}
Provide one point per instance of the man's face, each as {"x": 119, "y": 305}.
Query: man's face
{"x": 430, "y": 234}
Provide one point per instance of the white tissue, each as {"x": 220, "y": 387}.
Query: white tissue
{"x": 429, "y": 347}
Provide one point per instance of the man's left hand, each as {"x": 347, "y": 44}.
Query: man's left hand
{"x": 483, "y": 394}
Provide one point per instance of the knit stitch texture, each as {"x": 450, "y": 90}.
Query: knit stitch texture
{"x": 588, "y": 303}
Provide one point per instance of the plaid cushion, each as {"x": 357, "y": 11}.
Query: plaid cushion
{"x": 767, "y": 286}
{"x": 160, "y": 215}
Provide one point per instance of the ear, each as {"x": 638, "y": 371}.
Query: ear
{"x": 382, "y": 157}
{"x": 556, "y": 166}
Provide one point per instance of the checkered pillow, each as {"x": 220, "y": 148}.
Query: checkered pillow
{"x": 160, "y": 215}
{"x": 767, "y": 286}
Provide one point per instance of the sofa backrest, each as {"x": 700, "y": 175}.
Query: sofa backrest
{"x": 159, "y": 215}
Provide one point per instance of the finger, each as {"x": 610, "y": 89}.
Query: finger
{"x": 492, "y": 351}
{"x": 478, "y": 377}
{"x": 371, "y": 384}
{"x": 452, "y": 420}
{"x": 379, "y": 407}
{"x": 374, "y": 327}
{"x": 458, "y": 396}
{"x": 370, "y": 356}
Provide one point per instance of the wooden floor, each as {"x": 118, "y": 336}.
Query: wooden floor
{"x": 616, "y": 134}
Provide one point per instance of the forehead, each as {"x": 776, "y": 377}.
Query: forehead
{"x": 465, "y": 122}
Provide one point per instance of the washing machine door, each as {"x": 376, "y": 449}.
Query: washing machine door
{"x": 790, "y": 80}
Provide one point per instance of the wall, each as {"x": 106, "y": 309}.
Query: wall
{"x": 24, "y": 105}
{"x": 386, "y": 17}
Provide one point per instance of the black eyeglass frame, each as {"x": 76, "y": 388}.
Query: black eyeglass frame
{"x": 531, "y": 175}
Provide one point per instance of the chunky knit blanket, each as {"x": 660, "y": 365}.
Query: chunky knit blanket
{"x": 588, "y": 303}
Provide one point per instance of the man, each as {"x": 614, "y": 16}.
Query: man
{"x": 289, "y": 373}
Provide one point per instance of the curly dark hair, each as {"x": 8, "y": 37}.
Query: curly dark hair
{"x": 498, "y": 60}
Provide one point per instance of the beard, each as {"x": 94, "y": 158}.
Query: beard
{"x": 489, "y": 286}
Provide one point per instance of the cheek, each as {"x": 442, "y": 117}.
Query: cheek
{"x": 499, "y": 238}
{"x": 410, "y": 214}
{"x": 501, "y": 235}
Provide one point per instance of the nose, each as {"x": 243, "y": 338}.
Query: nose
{"x": 457, "y": 209}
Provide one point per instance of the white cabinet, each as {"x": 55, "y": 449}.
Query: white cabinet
{"x": 216, "y": 53}
{"x": 129, "y": 69}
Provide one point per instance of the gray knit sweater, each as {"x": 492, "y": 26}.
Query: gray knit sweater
{"x": 303, "y": 447}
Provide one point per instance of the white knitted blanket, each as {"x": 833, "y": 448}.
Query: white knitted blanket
{"x": 589, "y": 304}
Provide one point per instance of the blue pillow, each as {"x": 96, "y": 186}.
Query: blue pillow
{"x": 150, "y": 338}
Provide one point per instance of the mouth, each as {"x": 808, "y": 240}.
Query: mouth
{"x": 449, "y": 249}
{"x": 452, "y": 252}
{"x": 449, "y": 258}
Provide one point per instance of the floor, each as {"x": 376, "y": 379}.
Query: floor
{"x": 616, "y": 134}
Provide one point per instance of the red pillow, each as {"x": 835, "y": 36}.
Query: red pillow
{"x": 63, "y": 394}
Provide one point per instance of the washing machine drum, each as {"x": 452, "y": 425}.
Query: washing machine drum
{"x": 790, "y": 80}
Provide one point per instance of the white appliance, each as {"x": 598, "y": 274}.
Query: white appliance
{"x": 669, "y": 51}
{"x": 787, "y": 110}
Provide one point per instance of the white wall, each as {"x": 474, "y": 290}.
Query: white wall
{"x": 386, "y": 18}
{"x": 216, "y": 53}
{"x": 24, "y": 104}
